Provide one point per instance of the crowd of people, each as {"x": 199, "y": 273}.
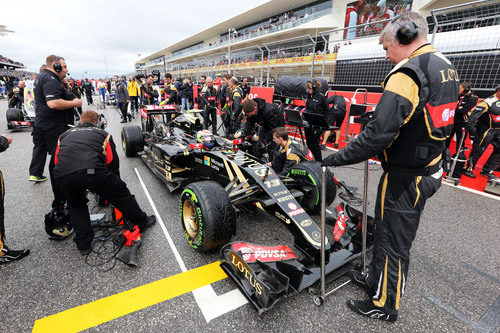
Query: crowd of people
{"x": 7, "y": 60}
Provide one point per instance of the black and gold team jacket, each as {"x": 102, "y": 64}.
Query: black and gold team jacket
{"x": 413, "y": 117}
{"x": 489, "y": 106}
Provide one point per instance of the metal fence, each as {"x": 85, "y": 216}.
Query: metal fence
{"x": 467, "y": 34}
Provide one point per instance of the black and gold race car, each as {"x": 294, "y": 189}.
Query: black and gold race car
{"x": 218, "y": 180}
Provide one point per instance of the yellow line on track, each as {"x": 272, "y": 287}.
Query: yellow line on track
{"x": 106, "y": 309}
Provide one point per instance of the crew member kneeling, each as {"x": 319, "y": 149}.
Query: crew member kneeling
{"x": 86, "y": 159}
{"x": 289, "y": 152}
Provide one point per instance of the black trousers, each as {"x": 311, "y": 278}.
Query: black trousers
{"x": 313, "y": 137}
{"x": 135, "y": 103}
{"x": 89, "y": 98}
{"x": 105, "y": 184}
{"x": 400, "y": 202}
{"x": 491, "y": 136}
{"x": 210, "y": 118}
{"x": 49, "y": 138}
{"x": 39, "y": 155}
{"x": 456, "y": 130}
{"x": 123, "y": 109}
{"x": 2, "y": 213}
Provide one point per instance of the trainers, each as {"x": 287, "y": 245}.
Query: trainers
{"x": 489, "y": 174}
{"x": 469, "y": 173}
{"x": 37, "y": 179}
{"x": 360, "y": 280}
{"x": 150, "y": 221}
{"x": 7, "y": 255}
{"x": 368, "y": 309}
{"x": 85, "y": 252}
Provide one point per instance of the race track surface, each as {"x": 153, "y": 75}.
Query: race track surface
{"x": 453, "y": 283}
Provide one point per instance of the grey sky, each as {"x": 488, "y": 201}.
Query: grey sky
{"x": 91, "y": 33}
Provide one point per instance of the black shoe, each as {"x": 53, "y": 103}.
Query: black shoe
{"x": 85, "y": 252}
{"x": 123, "y": 121}
{"x": 489, "y": 175}
{"x": 323, "y": 147}
{"x": 150, "y": 221}
{"x": 469, "y": 174}
{"x": 7, "y": 255}
{"x": 360, "y": 280}
{"x": 368, "y": 309}
{"x": 335, "y": 145}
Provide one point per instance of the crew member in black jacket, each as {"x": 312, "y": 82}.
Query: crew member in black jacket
{"x": 407, "y": 133}
{"x": 315, "y": 103}
{"x": 6, "y": 254}
{"x": 149, "y": 95}
{"x": 88, "y": 89}
{"x": 266, "y": 115}
{"x": 16, "y": 96}
{"x": 467, "y": 101}
{"x": 208, "y": 101}
{"x": 86, "y": 159}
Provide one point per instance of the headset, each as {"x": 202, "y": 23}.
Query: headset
{"x": 57, "y": 65}
{"x": 314, "y": 84}
{"x": 407, "y": 32}
{"x": 466, "y": 86}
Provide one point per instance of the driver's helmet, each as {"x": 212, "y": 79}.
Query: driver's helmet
{"x": 206, "y": 137}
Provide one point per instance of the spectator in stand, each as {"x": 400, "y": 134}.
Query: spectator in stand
{"x": 133, "y": 92}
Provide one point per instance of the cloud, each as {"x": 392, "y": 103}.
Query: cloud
{"x": 104, "y": 37}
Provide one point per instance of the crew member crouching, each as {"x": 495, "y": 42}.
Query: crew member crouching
{"x": 289, "y": 152}
{"x": 86, "y": 159}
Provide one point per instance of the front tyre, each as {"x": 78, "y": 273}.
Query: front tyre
{"x": 308, "y": 173}
{"x": 132, "y": 140}
{"x": 207, "y": 216}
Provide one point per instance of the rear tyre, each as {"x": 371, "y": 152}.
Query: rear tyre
{"x": 308, "y": 173}
{"x": 208, "y": 218}
{"x": 14, "y": 114}
{"x": 132, "y": 140}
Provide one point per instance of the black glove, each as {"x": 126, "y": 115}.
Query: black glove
{"x": 329, "y": 161}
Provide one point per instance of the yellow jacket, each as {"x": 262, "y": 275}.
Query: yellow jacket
{"x": 133, "y": 88}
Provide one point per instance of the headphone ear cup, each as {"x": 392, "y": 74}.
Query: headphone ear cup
{"x": 57, "y": 67}
{"x": 407, "y": 33}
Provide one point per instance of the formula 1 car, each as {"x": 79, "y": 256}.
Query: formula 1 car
{"x": 218, "y": 180}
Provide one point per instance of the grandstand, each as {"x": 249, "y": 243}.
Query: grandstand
{"x": 305, "y": 38}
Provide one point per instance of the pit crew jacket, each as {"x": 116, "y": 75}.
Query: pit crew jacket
{"x": 287, "y": 157}
{"x": 16, "y": 98}
{"x": 466, "y": 103}
{"x": 413, "y": 117}
{"x": 209, "y": 96}
{"x": 84, "y": 147}
{"x": 170, "y": 94}
{"x": 149, "y": 94}
{"x": 235, "y": 103}
{"x": 268, "y": 116}
{"x": 489, "y": 109}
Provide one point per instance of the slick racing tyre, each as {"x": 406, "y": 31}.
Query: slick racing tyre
{"x": 308, "y": 173}
{"x": 207, "y": 216}
{"x": 14, "y": 114}
{"x": 132, "y": 140}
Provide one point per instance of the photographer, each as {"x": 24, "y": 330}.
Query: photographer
{"x": 54, "y": 111}
{"x": 122, "y": 97}
{"x": 6, "y": 254}
{"x": 86, "y": 159}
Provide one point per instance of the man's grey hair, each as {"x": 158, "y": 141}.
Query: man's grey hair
{"x": 233, "y": 80}
{"x": 390, "y": 30}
